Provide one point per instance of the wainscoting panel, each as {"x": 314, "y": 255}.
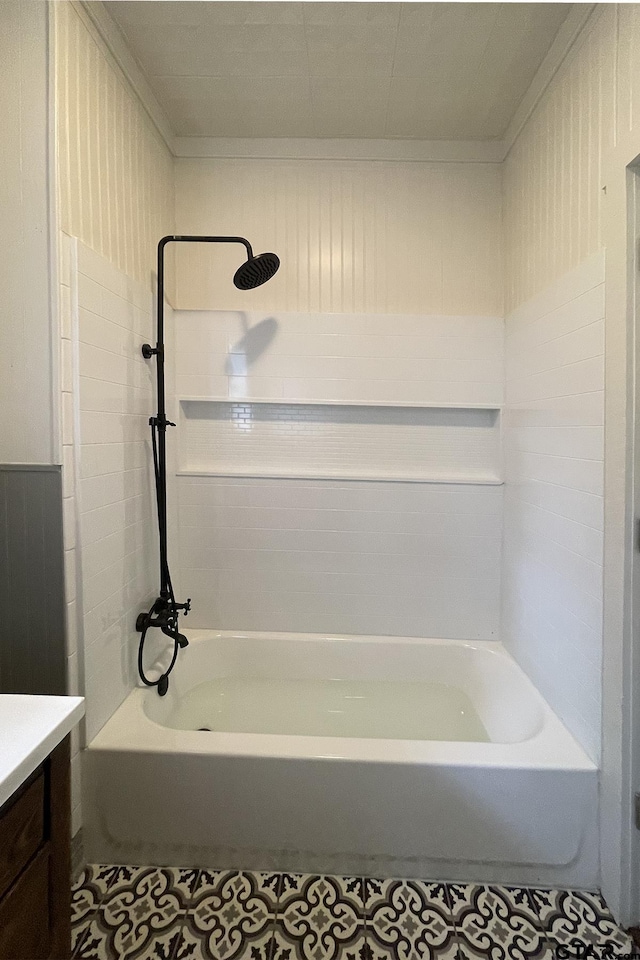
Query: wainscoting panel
{"x": 33, "y": 655}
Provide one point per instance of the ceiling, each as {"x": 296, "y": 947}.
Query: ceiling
{"x": 432, "y": 71}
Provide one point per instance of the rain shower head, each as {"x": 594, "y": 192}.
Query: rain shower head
{"x": 256, "y": 270}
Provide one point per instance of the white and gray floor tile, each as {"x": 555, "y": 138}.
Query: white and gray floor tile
{"x": 164, "y": 913}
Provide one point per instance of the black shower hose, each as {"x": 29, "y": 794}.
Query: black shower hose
{"x": 165, "y": 607}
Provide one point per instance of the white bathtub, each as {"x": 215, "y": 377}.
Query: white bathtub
{"x": 520, "y": 808}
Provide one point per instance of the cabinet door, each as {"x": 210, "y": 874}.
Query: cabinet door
{"x": 21, "y": 832}
{"x": 25, "y": 923}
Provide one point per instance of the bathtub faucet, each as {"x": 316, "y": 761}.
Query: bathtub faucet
{"x": 164, "y": 615}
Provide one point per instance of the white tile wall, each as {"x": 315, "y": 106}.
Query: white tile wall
{"x": 340, "y": 557}
{"x": 112, "y": 399}
{"x": 553, "y": 526}
{"x": 114, "y": 192}
{"x": 351, "y": 557}
{"x": 325, "y": 440}
{"x": 375, "y": 358}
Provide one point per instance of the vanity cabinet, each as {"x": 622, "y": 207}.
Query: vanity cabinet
{"x": 35, "y": 864}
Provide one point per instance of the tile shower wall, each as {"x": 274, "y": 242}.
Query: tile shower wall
{"x": 341, "y": 556}
{"x": 352, "y": 557}
{"x": 111, "y": 546}
{"x": 553, "y": 542}
{"x": 564, "y": 200}
{"x": 352, "y": 358}
{"x": 327, "y": 440}
{"x": 115, "y": 193}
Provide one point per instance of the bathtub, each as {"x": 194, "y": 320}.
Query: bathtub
{"x": 517, "y": 804}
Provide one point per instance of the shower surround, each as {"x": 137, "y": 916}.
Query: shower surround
{"x": 315, "y": 489}
{"x": 344, "y": 504}
{"x": 413, "y": 552}
{"x": 340, "y": 473}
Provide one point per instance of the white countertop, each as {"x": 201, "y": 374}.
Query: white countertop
{"x": 30, "y": 728}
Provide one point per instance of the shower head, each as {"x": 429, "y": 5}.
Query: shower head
{"x": 256, "y": 270}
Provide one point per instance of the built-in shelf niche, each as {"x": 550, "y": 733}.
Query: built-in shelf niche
{"x": 340, "y": 441}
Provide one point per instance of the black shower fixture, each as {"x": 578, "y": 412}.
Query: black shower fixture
{"x": 165, "y": 611}
{"x": 256, "y": 270}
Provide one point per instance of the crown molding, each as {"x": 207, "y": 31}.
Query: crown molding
{"x": 566, "y": 37}
{"x": 419, "y": 151}
{"x": 99, "y": 21}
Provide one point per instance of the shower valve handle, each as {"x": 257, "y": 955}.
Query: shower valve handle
{"x": 185, "y": 607}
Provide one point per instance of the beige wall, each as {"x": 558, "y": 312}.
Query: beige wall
{"x": 353, "y": 236}
{"x": 27, "y": 421}
{"x": 115, "y": 174}
{"x": 553, "y": 175}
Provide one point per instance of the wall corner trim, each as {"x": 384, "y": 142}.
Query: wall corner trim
{"x": 574, "y": 24}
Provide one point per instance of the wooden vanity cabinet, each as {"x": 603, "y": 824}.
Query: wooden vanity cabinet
{"x": 35, "y": 864}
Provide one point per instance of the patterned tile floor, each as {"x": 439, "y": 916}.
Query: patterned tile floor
{"x": 171, "y": 913}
